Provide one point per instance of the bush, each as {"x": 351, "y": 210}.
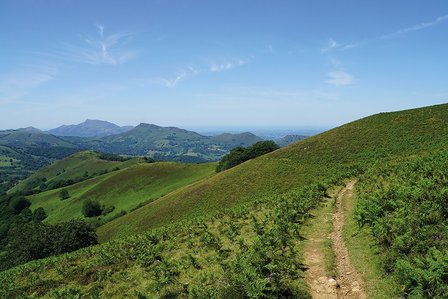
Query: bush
{"x": 19, "y": 204}
{"x": 63, "y": 195}
{"x": 91, "y": 208}
{"x": 240, "y": 154}
{"x": 36, "y": 240}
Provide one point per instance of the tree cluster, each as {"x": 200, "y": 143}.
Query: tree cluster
{"x": 240, "y": 154}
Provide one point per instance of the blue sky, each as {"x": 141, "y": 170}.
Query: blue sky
{"x": 218, "y": 63}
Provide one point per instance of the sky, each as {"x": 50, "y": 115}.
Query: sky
{"x": 193, "y": 63}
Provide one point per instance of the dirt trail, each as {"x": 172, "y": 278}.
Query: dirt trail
{"x": 349, "y": 283}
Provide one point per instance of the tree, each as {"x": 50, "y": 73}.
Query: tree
{"x": 39, "y": 214}
{"x": 63, "y": 195}
{"x": 240, "y": 154}
{"x": 18, "y": 204}
{"x": 91, "y": 208}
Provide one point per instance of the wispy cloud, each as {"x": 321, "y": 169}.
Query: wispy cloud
{"x": 340, "y": 78}
{"x": 416, "y": 27}
{"x": 169, "y": 82}
{"x": 227, "y": 65}
{"x": 102, "y": 48}
{"x": 175, "y": 80}
{"x": 18, "y": 84}
{"x": 333, "y": 45}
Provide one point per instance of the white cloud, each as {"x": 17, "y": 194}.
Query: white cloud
{"x": 333, "y": 45}
{"x": 18, "y": 84}
{"x": 228, "y": 65}
{"x": 102, "y": 49}
{"x": 340, "y": 78}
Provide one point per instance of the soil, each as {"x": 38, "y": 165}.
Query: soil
{"x": 348, "y": 283}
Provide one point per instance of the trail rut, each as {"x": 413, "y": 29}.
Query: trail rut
{"x": 348, "y": 283}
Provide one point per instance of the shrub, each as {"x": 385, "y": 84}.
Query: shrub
{"x": 63, "y": 195}
{"x": 91, "y": 208}
{"x": 19, "y": 204}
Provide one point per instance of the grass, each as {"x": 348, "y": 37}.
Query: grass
{"x": 364, "y": 254}
{"x": 74, "y": 166}
{"x": 319, "y": 228}
{"x": 124, "y": 189}
{"x": 357, "y": 144}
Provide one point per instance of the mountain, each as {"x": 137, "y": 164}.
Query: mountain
{"x": 288, "y": 139}
{"x": 90, "y": 128}
{"x": 242, "y": 139}
{"x": 166, "y": 143}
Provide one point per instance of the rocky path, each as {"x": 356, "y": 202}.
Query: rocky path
{"x": 348, "y": 283}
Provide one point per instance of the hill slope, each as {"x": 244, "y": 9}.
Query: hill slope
{"x": 78, "y": 166}
{"x": 123, "y": 189}
{"x": 356, "y": 144}
{"x": 89, "y": 128}
{"x": 23, "y": 151}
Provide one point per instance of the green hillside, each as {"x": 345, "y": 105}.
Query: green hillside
{"x": 77, "y": 166}
{"x": 357, "y": 144}
{"x": 30, "y": 149}
{"x": 123, "y": 189}
{"x": 237, "y": 234}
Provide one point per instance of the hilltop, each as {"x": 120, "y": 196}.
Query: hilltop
{"x": 89, "y": 128}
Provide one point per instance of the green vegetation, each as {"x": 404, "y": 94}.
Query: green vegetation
{"x": 250, "y": 251}
{"x": 356, "y": 145}
{"x": 240, "y": 154}
{"x": 237, "y": 234}
{"x": 73, "y": 169}
{"x": 365, "y": 255}
{"x": 63, "y": 195}
{"x": 288, "y": 139}
{"x": 125, "y": 189}
{"x": 404, "y": 203}
{"x": 91, "y": 208}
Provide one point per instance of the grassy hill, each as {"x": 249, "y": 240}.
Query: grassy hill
{"x": 30, "y": 149}
{"x": 237, "y": 233}
{"x": 357, "y": 144}
{"x": 80, "y": 165}
{"x": 123, "y": 189}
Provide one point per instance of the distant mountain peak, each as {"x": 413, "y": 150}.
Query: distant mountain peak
{"x": 90, "y": 128}
{"x": 30, "y": 130}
